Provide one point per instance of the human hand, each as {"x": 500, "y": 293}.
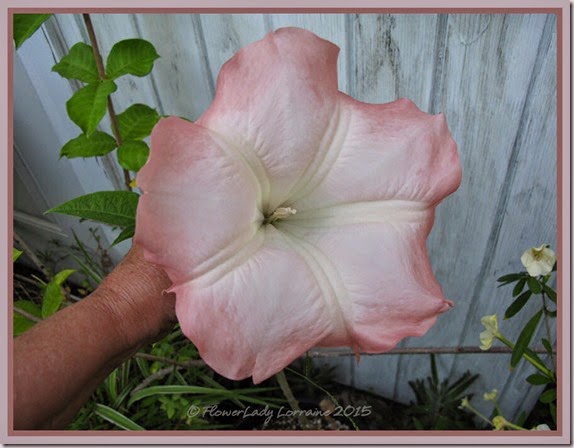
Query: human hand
{"x": 135, "y": 293}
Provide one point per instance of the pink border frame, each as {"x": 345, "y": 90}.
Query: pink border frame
{"x": 560, "y": 436}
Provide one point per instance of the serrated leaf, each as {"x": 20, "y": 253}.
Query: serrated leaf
{"x": 53, "y": 295}
{"x": 524, "y": 339}
{"x": 88, "y": 105}
{"x": 97, "y": 144}
{"x": 132, "y": 155}
{"x": 137, "y": 122}
{"x": 16, "y": 254}
{"x": 534, "y": 285}
{"x": 79, "y": 64}
{"x": 117, "y": 208}
{"x": 549, "y": 292}
{"x": 21, "y": 323}
{"x": 517, "y": 305}
{"x": 131, "y": 56}
{"x": 25, "y": 25}
{"x": 117, "y": 418}
{"x": 537, "y": 379}
{"x": 518, "y": 287}
{"x": 125, "y": 234}
{"x": 548, "y": 396}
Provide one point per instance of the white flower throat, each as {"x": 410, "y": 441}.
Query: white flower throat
{"x": 279, "y": 213}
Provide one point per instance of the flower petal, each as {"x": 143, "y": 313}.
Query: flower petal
{"x": 388, "y": 151}
{"x": 200, "y": 200}
{"x": 257, "y": 316}
{"x": 275, "y": 101}
{"x": 376, "y": 266}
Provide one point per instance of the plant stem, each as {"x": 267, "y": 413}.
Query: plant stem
{"x": 526, "y": 356}
{"x": 102, "y": 73}
{"x": 513, "y": 426}
{"x": 479, "y": 414}
{"x": 547, "y": 325}
{"x": 284, "y": 385}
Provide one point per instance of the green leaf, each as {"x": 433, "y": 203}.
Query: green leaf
{"x": 79, "y": 63}
{"x": 26, "y": 24}
{"x": 537, "y": 379}
{"x": 53, "y": 295}
{"x": 549, "y": 292}
{"x": 137, "y": 121}
{"x": 125, "y": 234}
{"x": 88, "y": 105}
{"x": 547, "y": 345}
{"x": 509, "y": 278}
{"x": 524, "y": 339}
{"x": 550, "y": 313}
{"x": 131, "y": 56}
{"x": 117, "y": 208}
{"x": 552, "y": 407}
{"x": 198, "y": 390}
{"x": 16, "y": 254}
{"x": 517, "y": 305}
{"x": 97, "y": 144}
{"x": 519, "y": 287}
{"x": 534, "y": 285}
{"x": 132, "y": 155}
{"x": 21, "y": 323}
{"x": 118, "y": 419}
{"x": 548, "y": 396}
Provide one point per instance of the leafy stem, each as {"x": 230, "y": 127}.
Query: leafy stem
{"x": 541, "y": 367}
{"x": 102, "y": 74}
{"x": 547, "y": 325}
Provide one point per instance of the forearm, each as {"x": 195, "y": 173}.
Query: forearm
{"x": 59, "y": 362}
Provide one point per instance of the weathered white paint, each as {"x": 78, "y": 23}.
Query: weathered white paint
{"x": 494, "y": 76}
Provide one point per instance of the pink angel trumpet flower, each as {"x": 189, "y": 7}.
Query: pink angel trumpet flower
{"x": 291, "y": 216}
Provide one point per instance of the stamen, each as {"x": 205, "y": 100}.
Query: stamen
{"x": 280, "y": 213}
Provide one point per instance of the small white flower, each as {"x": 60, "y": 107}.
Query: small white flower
{"x": 464, "y": 403}
{"x": 538, "y": 260}
{"x": 542, "y": 427}
{"x": 491, "y": 396}
{"x": 491, "y": 331}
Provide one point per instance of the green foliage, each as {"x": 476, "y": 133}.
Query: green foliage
{"x": 437, "y": 403}
{"x": 132, "y": 155}
{"x": 537, "y": 286}
{"x": 97, "y": 144}
{"x": 125, "y": 234}
{"x": 79, "y": 64}
{"x": 517, "y": 305}
{"x": 21, "y": 323}
{"x": 53, "y": 295}
{"x": 548, "y": 396}
{"x": 16, "y": 254}
{"x": 88, "y": 105}
{"x": 118, "y": 419}
{"x": 537, "y": 379}
{"x": 524, "y": 339}
{"x": 131, "y": 56}
{"x": 116, "y": 208}
{"x": 25, "y": 25}
{"x": 137, "y": 121}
